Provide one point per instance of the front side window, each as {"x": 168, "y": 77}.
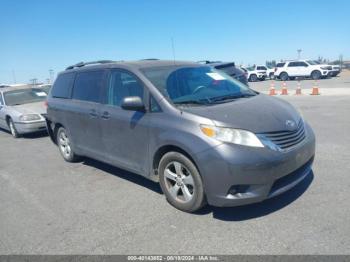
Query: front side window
{"x": 1, "y": 101}
{"x": 24, "y": 96}
{"x": 303, "y": 64}
{"x": 88, "y": 85}
{"x": 123, "y": 84}
{"x": 196, "y": 85}
{"x": 280, "y": 64}
{"x": 261, "y": 68}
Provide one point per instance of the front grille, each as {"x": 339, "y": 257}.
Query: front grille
{"x": 287, "y": 139}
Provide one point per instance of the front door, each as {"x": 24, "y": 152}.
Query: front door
{"x": 125, "y": 133}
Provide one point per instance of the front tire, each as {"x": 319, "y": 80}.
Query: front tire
{"x": 272, "y": 76}
{"x": 253, "y": 78}
{"x": 181, "y": 182}
{"x": 315, "y": 75}
{"x": 64, "y": 144}
{"x": 12, "y": 128}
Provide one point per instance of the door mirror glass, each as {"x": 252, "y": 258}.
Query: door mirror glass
{"x": 133, "y": 103}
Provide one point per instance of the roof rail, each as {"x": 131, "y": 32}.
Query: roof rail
{"x": 81, "y": 64}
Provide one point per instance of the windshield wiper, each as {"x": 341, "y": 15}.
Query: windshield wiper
{"x": 230, "y": 97}
{"x": 195, "y": 102}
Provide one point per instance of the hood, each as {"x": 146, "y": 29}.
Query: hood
{"x": 258, "y": 114}
{"x": 31, "y": 108}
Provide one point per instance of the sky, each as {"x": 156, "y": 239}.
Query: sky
{"x": 39, "y": 35}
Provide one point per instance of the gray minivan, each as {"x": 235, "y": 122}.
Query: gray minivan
{"x": 204, "y": 136}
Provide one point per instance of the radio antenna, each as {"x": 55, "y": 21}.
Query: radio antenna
{"x": 173, "y": 48}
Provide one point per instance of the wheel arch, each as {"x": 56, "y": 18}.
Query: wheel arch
{"x": 160, "y": 152}
{"x": 52, "y": 129}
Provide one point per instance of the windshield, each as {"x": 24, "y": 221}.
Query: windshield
{"x": 196, "y": 85}
{"x": 312, "y": 62}
{"x": 24, "y": 96}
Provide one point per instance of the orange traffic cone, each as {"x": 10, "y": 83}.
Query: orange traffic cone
{"x": 298, "y": 91}
{"x": 272, "y": 89}
{"x": 315, "y": 91}
{"x": 284, "y": 89}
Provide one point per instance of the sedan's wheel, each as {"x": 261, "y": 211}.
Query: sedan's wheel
{"x": 181, "y": 182}
{"x": 65, "y": 146}
{"x": 13, "y": 129}
{"x": 316, "y": 75}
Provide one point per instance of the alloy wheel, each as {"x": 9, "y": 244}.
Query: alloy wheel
{"x": 64, "y": 144}
{"x": 179, "y": 182}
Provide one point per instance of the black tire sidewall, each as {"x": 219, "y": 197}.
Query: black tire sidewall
{"x": 253, "y": 78}
{"x": 72, "y": 157}
{"x": 199, "y": 197}
{"x": 16, "y": 134}
{"x": 316, "y": 73}
{"x": 282, "y": 76}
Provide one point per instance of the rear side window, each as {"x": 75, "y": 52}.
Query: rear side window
{"x": 293, "y": 64}
{"x": 280, "y": 64}
{"x": 88, "y": 85}
{"x": 63, "y": 86}
{"x": 1, "y": 100}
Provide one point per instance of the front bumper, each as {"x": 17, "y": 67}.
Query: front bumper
{"x": 334, "y": 72}
{"x": 262, "y": 76}
{"x": 236, "y": 175}
{"x": 30, "y": 127}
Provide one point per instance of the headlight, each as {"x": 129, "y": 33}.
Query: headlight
{"x": 326, "y": 68}
{"x": 29, "y": 117}
{"x": 230, "y": 135}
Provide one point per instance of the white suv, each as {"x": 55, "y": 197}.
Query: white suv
{"x": 256, "y": 73}
{"x": 301, "y": 68}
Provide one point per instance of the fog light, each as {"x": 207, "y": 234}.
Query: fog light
{"x": 238, "y": 189}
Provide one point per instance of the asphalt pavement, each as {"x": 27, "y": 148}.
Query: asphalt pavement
{"x": 49, "y": 206}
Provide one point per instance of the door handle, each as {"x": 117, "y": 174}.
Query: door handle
{"x": 105, "y": 115}
{"x": 93, "y": 113}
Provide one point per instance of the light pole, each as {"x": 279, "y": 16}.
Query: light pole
{"x": 299, "y": 52}
{"x": 51, "y": 75}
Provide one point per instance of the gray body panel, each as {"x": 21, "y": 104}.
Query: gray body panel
{"x": 131, "y": 140}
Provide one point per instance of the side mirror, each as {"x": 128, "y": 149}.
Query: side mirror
{"x": 133, "y": 103}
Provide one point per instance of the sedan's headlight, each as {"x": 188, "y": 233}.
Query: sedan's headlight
{"x": 230, "y": 135}
{"x": 29, "y": 117}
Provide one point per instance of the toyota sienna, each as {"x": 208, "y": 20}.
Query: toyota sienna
{"x": 204, "y": 136}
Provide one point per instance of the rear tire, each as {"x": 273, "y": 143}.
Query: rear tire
{"x": 181, "y": 182}
{"x": 272, "y": 76}
{"x": 315, "y": 75}
{"x": 64, "y": 144}
{"x": 12, "y": 128}
{"x": 284, "y": 76}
